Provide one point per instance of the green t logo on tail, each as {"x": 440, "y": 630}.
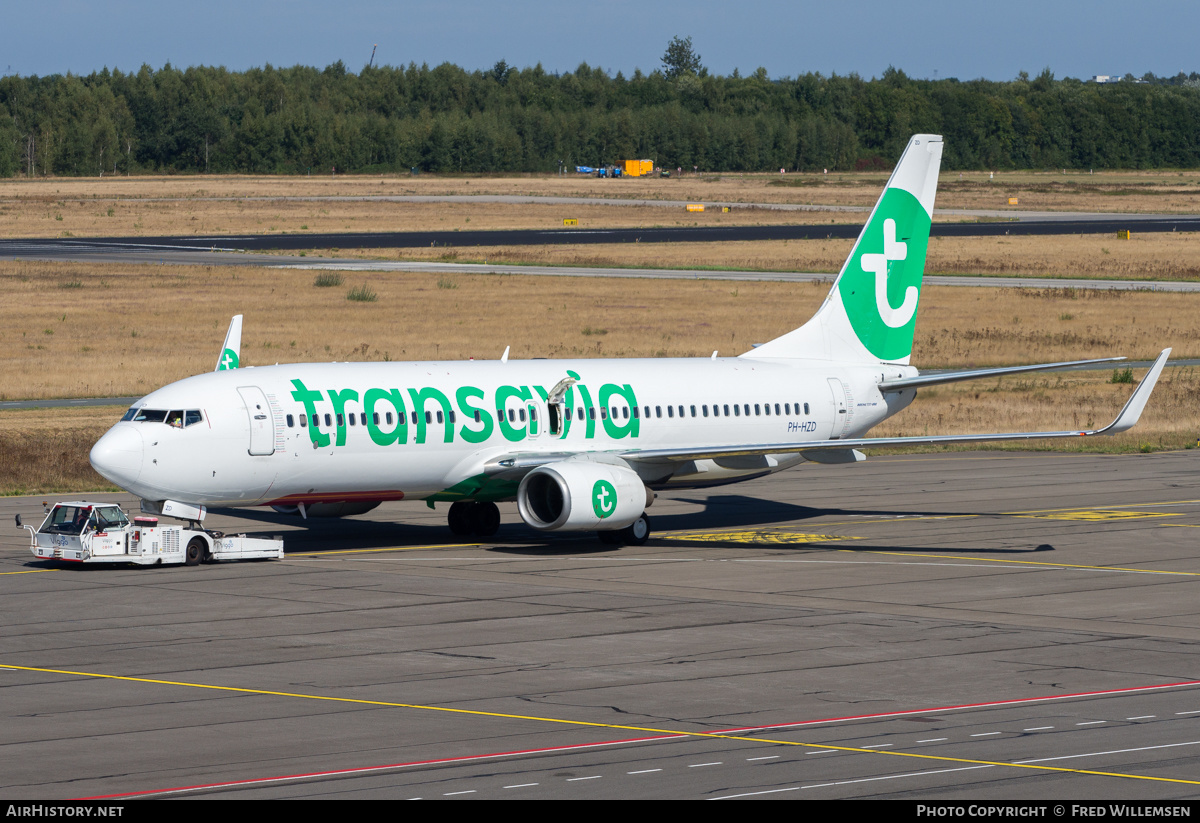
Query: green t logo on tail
{"x": 229, "y": 360}
{"x": 881, "y": 283}
{"x": 604, "y": 498}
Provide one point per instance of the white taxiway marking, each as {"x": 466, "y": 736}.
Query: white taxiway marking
{"x": 1142, "y": 717}
{"x": 593, "y": 777}
{"x": 884, "y": 745}
{"x": 772, "y": 757}
{"x": 1091, "y": 723}
{"x": 986, "y": 734}
{"x": 521, "y": 785}
{"x": 645, "y": 771}
{"x": 702, "y": 765}
{"x": 1197, "y": 711}
{"x": 1113, "y": 751}
{"x": 1038, "y": 729}
{"x": 451, "y": 794}
{"x": 933, "y": 740}
{"x": 825, "y": 751}
{"x": 849, "y": 782}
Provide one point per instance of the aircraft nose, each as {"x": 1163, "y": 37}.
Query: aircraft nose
{"x": 117, "y": 456}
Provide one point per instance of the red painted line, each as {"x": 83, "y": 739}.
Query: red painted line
{"x": 628, "y": 741}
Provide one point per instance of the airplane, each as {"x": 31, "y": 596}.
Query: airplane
{"x": 580, "y": 445}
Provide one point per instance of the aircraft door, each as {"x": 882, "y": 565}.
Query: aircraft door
{"x": 843, "y": 409}
{"x": 537, "y": 418}
{"x": 262, "y": 424}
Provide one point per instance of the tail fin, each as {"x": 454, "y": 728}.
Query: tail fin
{"x": 231, "y": 351}
{"x": 871, "y": 311}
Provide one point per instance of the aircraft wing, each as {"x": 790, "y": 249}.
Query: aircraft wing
{"x": 937, "y": 379}
{"x": 1125, "y": 420}
{"x": 515, "y": 466}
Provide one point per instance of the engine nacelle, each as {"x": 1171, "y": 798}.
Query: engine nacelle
{"x": 578, "y": 495}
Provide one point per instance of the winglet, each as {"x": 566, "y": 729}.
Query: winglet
{"x": 231, "y": 351}
{"x": 1129, "y": 415}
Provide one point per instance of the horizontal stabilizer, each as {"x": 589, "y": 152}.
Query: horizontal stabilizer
{"x": 900, "y": 384}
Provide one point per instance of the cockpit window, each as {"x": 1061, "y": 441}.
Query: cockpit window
{"x": 179, "y": 418}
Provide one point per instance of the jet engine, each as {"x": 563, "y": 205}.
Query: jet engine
{"x": 579, "y": 495}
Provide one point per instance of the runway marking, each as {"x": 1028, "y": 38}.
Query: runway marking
{"x": 1037, "y": 729}
{"x": 1091, "y": 723}
{"x": 645, "y": 771}
{"x": 752, "y": 759}
{"x": 290, "y": 555}
{"x": 1025, "y": 562}
{"x": 1099, "y": 514}
{"x": 987, "y": 734}
{"x": 1126, "y": 505}
{"x": 757, "y": 536}
{"x": 646, "y": 729}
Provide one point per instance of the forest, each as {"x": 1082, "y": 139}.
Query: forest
{"x": 449, "y": 120}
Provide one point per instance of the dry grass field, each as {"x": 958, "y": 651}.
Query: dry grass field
{"x": 100, "y": 330}
{"x": 224, "y": 204}
{"x": 76, "y": 330}
{"x": 1174, "y": 256}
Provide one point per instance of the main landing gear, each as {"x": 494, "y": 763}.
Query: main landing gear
{"x": 468, "y": 517}
{"x": 635, "y": 534}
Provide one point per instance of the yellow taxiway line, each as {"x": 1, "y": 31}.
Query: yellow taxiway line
{"x": 590, "y": 724}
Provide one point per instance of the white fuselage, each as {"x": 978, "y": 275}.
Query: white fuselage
{"x": 310, "y": 433}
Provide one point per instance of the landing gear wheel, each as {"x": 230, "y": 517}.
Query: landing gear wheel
{"x": 459, "y": 518}
{"x": 485, "y": 519}
{"x": 196, "y": 549}
{"x": 610, "y": 538}
{"x": 637, "y": 533}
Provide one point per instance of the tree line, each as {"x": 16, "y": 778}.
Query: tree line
{"x": 448, "y": 119}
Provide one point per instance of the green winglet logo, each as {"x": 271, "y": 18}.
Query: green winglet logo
{"x": 882, "y": 282}
{"x": 604, "y": 498}
{"x": 229, "y": 360}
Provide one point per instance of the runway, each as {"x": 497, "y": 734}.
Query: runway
{"x": 81, "y": 248}
{"x": 979, "y": 625}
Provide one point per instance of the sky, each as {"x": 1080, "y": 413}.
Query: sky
{"x": 966, "y": 39}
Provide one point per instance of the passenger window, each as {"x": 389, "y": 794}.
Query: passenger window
{"x": 375, "y": 418}
{"x": 747, "y": 408}
{"x": 389, "y": 418}
{"x": 291, "y": 421}
{"x": 363, "y": 417}
{"x": 341, "y": 421}
{"x": 776, "y": 409}
{"x": 304, "y": 421}
{"x": 635, "y": 412}
{"x": 693, "y": 411}
{"x": 806, "y": 408}
{"x": 439, "y": 417}
{"x": 591, "y": 412}
{"x": 353, "y": 419}
{"x": 756, "y": 412}
{"x": 604, "y": 412}
{"x": 704, "y": 409}
{"x": 328, "y": 420}
{"x": 521, "y": 415}
{"x": 428, "y": 417}
{"x": 477, "y": 420}
{"x": 727, "y": 409}
{"x": 414, "y": 418}
{"x": 316, "y": 420}
{"x": 787, "y": 409}
{"x": 647, "y": 411}
{"x": 658, "y": 411}
{"x": 670, "y": 411}
{"x": 767, "y": 409}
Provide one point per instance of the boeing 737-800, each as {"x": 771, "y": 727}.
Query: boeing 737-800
{"x": 580, "y": 445}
